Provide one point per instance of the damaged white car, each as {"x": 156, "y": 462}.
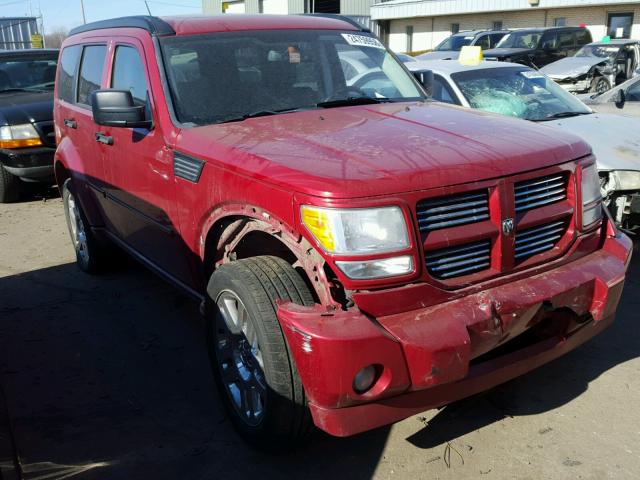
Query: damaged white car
{"x": 519, "y": 91}
{"x": 597, "y": 67}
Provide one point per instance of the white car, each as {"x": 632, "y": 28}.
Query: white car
{"x": 519, "y": 91}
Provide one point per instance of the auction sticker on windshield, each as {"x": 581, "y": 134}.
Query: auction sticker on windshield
{"x": 362, "y": 41}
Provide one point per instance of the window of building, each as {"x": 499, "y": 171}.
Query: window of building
{"x": 497, "y": 25}
{"x": 560, "y": 22}
{"x": 455, "y": 28}
{"x": 68, "y": 65}
{"x": 91, "y": 72}
{"x": 409, "y": 32}
{"x": 619, "y": 25}
{"x": 128, "y": 74}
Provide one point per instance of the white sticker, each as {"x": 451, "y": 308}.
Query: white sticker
{"x": 362, "y": 41}
{"x": 528, "y": 74}
{"x": 294, "y": 57}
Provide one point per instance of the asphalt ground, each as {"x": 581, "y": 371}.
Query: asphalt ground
{"x": 108, "y": 377}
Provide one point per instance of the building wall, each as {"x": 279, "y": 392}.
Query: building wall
{"x": 430, "y": 31}
{"x": 359, "y": 8}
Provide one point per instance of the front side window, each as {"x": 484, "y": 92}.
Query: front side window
{"x": 67, "y": 77}
{"x": 483, "y": 42}
{"x": 566, "y": 40}
{"x": 517, "y": 92}
{"x": 129, "y": 74}
{"x": 521, "y": 39}
{"x": 455, "y": 43}
{"x": 91, "y": 72}
{"x": 223, "y": 77}
{"x": 441, "y": 90}
{"x": 633, "y": 92}
{"x": 28, "y": 72}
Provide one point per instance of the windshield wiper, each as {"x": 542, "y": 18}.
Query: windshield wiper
{"x": 20, "y": 90}
{"x": 344, "y": 102}
{"x": 554, "y": 116}
{"x": 259, "y": 113}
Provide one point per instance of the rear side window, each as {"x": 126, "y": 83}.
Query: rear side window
{"x": 583, "y": 37}
{"x": 565, "y": 40}
{"x": 67, "y": 78}
{"x": 128, "y": 74}
{"x": 90, "y": 72}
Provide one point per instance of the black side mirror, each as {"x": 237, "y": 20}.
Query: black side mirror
{"x": 621, "y": 98}
{"x": 425, "y": 77}
{"x": 115, "y": 108}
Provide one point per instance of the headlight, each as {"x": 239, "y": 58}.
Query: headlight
{"x": 19, "y": 136}
{"x": 387, "y": 267}
{"x": 591, "y": 196}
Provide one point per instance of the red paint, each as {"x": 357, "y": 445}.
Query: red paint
{"x": 421, "y": 331}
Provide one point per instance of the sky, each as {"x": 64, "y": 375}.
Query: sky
{"x": 68, "y": 14}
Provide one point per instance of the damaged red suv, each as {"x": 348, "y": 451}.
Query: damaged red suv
{"x": 361, "y": 253}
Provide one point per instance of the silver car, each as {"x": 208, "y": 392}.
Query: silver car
{"x": 519, "y": 91}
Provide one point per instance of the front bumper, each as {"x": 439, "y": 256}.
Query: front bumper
{"x": 35, "y": 163}
{"x": 574, "y": 86}
{"x": 433, "y": 356}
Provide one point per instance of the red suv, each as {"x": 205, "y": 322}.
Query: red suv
{"x": 361, "y": 253}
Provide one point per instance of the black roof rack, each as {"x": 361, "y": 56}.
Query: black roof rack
{"x": 154, "y": 25}
{"x": 344, "y": 18}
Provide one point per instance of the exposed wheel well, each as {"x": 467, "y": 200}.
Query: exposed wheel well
{"x": 61, "y": 174}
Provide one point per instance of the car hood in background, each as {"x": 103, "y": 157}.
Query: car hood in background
{"x": 384, "y": 149}
{"x": 439, "y": 55}
{"x": 505, "y": 52}
{"x": 25, "y": 107}
{"x": 613, "y": 138}
{"x": 571, "y": 67}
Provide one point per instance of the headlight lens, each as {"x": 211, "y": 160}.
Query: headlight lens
{"x": 591, "y": 196}
{"x": 357, "y": 231}
{"x": 387, "y": 267}
{"x": 19, "y": 136}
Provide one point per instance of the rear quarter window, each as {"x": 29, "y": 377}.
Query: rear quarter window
{"x": 91, "y": 72}
{"x": 67, "y": 77}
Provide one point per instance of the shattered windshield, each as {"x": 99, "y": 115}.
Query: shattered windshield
{"x": 520, "y": 40}
{"x": 598, "y": 51}
{"x": 455, "y": 43}
{"x": 518, "y": 92}
{"x": 233, "y": 76}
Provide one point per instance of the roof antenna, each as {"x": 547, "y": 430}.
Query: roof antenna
{"x": 148, "y": 9}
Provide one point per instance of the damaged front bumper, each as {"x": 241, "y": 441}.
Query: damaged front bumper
{"x": 432, "y": 356}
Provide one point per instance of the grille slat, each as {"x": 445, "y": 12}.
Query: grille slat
{"x": 538, "y": 192}
{"x": 453, "y": 210}
{"x": 538, "y": 239}
{"x": 459, "y": 260}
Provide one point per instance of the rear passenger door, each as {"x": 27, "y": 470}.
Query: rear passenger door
{"x": 139, "y": 172}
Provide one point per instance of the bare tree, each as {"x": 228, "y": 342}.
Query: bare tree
{"x": 55, "y": 37}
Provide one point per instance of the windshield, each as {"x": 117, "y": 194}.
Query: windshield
{"x": 598, "y": 51}
{"x": 455, "y": 43}
{"x": 518, "y": 92}
{"x": 231, "y": 76}
{"x": 520, "y": 40}
{"x": 28, "y": 73}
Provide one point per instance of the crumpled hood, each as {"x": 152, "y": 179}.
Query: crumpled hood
{"x": 25, "y": 107}
{"x": 614, "y": 138}
{"x": 439, "y": 55}
{"x": 505, "y": 52}
{"x": 570, "y": 67}
{"x": 364, "y": 151}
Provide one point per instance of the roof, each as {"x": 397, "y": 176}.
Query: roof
{"x": 188, "y": 25}
{"x": 616, "y": 41}
{"x": 28, "y": 51}
{"x": 466, "y": 33}
{"x": 448, "y": 67}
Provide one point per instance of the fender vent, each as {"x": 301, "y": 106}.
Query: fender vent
{"x": 187, "y": 167}
{"x": 453, "y": 210}
{"x": 460, "y": 260}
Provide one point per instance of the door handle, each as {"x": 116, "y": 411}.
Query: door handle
{"x": 70, "y": 123}
{"x": 102, "y": 138}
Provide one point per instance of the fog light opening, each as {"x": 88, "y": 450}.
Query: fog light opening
{"x": 366, "y": 378}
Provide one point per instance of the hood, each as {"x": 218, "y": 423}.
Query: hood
{"x": 611, "y": 137}
{"x": 439, "y": 55}
{"x": 25, "y": 107}
{"x": 365, "y": 151}
{"x": 571, "y": 67}
{"x": 505, "y": 52}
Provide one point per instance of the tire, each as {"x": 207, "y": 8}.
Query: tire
{"x": 90, "y": 254}
{"x": 599, "y": 85}
{"x": 9, "y": 186}
{"x": 272, "y": 413}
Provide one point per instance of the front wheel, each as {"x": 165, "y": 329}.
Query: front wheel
{"x": 599, "y": 85}
{"x": 254, "y": 370}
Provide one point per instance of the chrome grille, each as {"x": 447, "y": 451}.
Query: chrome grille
{"x": 453, "y": 210}
{"x": 540, "y": 191}
{"x": 459, "y": 260}
{"x": 538, "y": 239}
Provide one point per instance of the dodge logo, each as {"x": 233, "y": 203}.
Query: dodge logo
{"x": 508, "y": 226}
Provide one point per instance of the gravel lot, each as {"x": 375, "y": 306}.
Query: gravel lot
{"x": 107, "y": 377}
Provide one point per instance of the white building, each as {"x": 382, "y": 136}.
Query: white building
{"x": 415, "y": 25}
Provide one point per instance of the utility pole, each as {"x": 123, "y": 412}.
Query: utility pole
{"x": 84, "y": 19}
{"x": 147, "y": 5}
